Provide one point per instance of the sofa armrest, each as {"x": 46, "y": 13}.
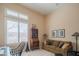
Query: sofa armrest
{"x": 68, "y": 48}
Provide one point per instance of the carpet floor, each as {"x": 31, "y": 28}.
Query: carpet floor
{"x": 38, "y": 52}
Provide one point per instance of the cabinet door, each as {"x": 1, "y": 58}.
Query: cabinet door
{"x": 34, "y": 33}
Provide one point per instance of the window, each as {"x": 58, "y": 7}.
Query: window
{"x": 23, "y": 32}
{"x": 12, "y": 31}
{"x": 17, "y": 27}
{"x": 10, "y": 13}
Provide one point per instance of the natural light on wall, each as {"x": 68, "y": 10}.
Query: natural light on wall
{"x": 16, "y": 26}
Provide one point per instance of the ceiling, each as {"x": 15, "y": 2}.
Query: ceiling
{"x": 43, "y": 8}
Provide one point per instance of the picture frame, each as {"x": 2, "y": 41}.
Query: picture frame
{"x": 60, "y": 33}
{"x": 54, "y": 34}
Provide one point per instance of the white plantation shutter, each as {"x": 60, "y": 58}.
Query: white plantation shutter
{"x": 12, "y": 31}
{"x": 17, "y": 26}
{"x": 23, "y": 27}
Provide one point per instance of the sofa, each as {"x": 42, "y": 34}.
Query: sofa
{"x": 57, "y": 47}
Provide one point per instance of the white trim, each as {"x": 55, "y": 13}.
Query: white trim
{"x": 5, "y": 27}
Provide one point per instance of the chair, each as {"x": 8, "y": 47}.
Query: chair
{"x": 18, "y": 51}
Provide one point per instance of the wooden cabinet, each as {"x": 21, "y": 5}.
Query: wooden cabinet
{"x": 34, "y": 42}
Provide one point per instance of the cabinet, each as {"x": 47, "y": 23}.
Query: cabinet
{"x": 34, "y": 42}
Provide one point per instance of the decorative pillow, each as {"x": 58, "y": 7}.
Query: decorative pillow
{"x": 61, "y": 44}
{"x": 65, "y": 45}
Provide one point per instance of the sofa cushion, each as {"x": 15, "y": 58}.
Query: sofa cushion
{"x": 49, "y": 42}
{"x": 61, "y": 44}
{"x": 65, "y": 45}
{"x": 56, "y": 43}
{"x": 51, "y": 47}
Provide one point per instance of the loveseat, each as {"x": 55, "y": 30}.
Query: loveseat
{"x": 57, "y": 47}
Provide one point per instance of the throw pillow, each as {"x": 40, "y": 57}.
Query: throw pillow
{"x": 65, "y": 45}
{"x": 61, "y": 44}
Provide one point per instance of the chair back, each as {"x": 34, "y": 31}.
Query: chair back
{"x": 21, "y": 46}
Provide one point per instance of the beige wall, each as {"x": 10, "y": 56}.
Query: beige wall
{"x": 34, "y": 18}
{"x": 65, "y": 17}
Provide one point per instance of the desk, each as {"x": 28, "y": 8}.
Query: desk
{"x": 4, "y": 51}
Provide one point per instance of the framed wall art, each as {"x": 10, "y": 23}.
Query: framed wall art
{"x": 54, "y": 33}
{"x": 60, "y": 33}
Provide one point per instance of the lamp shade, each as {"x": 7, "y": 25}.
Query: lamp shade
{"x": 76, "y": 34}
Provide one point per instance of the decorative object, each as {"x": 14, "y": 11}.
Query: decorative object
{"x": 33, "y": 26}
{"x": 76, "y": 34}
{"x": 45, "y": 36}
{"x": 60, "y": 33}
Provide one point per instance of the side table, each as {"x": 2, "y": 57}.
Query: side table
{"x": 72, "y": 53}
